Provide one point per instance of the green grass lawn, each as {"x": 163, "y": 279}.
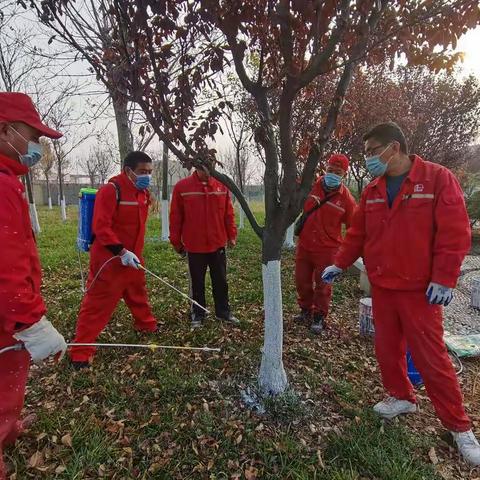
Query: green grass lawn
{"x": 178, "y": 415}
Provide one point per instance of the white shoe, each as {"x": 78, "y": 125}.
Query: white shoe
{"x": 392, "y": 407}
{"x": 468, "y": 447}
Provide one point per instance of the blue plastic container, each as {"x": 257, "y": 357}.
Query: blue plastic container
{"x": 85, "y": 216}
{"x": 413, "y": 373}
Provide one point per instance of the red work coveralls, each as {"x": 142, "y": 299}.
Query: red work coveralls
{"x": 201, "y": 215}
{"x": 423, "y": 238}
{"x": 21, "y": 304}
{"x": 318, "y": 243}
{"x": 114, "y": 225}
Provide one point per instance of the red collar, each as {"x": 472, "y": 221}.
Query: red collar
{"x": 197, "y": 178}
{"x": 13, "y": 167}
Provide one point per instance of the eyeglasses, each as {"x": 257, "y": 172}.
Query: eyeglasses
{"x": 372, "y": 151}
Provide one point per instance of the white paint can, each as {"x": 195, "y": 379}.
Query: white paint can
{"x": 365, "y": 317}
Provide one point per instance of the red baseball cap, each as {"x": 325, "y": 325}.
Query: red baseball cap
{"x": 339, "y": 160}
{"x": 18, "y": 107}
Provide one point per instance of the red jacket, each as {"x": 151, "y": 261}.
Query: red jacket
{"x": 424, "y": 237}
{"x": 20, "y": 275}
{"x": 201, "y": 215}
{"x": 323, "y": 228}
{"x": 118, "y": 225}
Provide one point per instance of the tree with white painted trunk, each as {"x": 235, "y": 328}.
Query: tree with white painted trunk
{"x": 20, "y": 64}
{"x": 289, "y": 237}
{"x": 165, "y": 202}
{"x": 62, "y": 119}
{"x": 46, "y": 167}
{"x": 89, "y": 28}
{"x": 278, "y": 49}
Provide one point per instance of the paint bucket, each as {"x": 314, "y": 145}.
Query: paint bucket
{"x": 365, "y": 318}
{"x": 413, "y": 373}
{"x": 475, "y": 294}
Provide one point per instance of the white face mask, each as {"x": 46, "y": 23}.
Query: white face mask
{"x": 34, "y": 151}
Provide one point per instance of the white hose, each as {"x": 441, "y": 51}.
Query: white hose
{"x": 151, "y": 346}
{"x": 85, "y": 290}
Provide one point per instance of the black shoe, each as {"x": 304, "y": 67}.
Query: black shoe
{"x": 303, "y": 317}
{"x": 318, "y": 324}
{"x": 230, "y": 319}
{"x": 80, "y": 365}
{"x": 197, "y": 320}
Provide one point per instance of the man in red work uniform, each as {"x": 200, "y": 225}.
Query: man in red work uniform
{"x": 413, "y": 232}
{"x": 119, "y": 220}
{"x": 22, "y": 311}
{"x": 202, "y": 223}
{"x": 329, "y": 205}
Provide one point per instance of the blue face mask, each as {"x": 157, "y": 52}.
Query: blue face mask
{"x": 33, "y": 155}
{"x": 375, "y": 166}
{"x": 34, "y": 152}
{"x": 143, "y": 181}
{"x": 332, "y": 180}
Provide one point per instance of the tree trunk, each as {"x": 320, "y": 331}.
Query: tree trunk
{"x": 289, "y": 240}
{"x": 242, "y": 217}
{"x": 49, "y": 194}
{"x": 31, "y": 205}
{"x": 165, "y": 224}
{"x": 125, "y": 140}
{"x": 63, "y": 209}
{"x": 34, "y": 218}
{"x": 272, "y": 377}
{"x": 360, "y": 186}
{"x": 239, "y": 167}
{"x": 61, "y": 195}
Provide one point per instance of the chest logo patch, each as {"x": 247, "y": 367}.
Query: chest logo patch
{"x": 418, "y": 188}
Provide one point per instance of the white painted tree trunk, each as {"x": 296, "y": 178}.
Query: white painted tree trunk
{"x": 34, "y": 218}
{"x": 242, "y": 217}
{"x": 165, "y": 224}
{"x": 289, "y": 240}
{"x": 272, "y": 377}
{"x": 63, "y": 208}
{"x": 50, "y": 203}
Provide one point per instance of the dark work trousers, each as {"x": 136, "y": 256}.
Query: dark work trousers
{"x": 217, "y": 263}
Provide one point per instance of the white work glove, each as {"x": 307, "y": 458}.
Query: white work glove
{"x": 438, "y": 294}
{"x": 42, "y": 340}
{"x": 129, "y": 259}
{"x": 330, "y": 273}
